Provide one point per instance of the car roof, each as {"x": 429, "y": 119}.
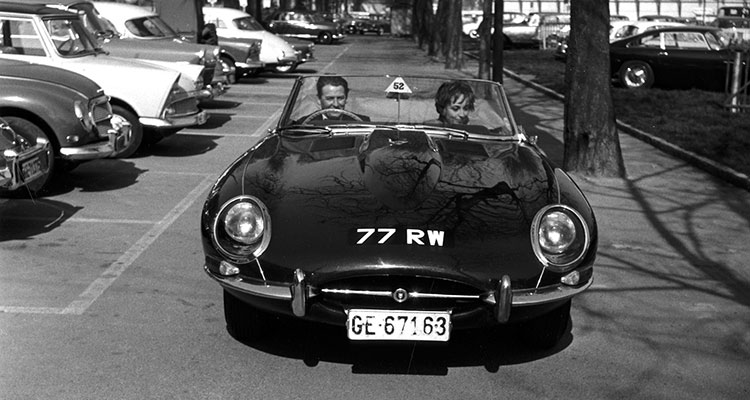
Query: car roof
{"x": 123, "y": 11}
{"x": 683, "y": 28}
{"x": 225, "y": 12}
{"x": 33, "y": 8}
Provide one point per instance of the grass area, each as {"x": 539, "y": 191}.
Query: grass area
{"x": 694, "y": 120}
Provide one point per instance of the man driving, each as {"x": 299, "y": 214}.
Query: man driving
{"x": 333, "y": 91}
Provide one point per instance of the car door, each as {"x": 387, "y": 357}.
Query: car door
{"x": 688, "y": 60}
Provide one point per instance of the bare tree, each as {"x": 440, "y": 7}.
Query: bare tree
{"x": 485, "y": 40}
{"x": 592, "y": 145}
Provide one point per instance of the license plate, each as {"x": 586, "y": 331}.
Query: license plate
{"x": 398, "y": 325}
{"x": 32, "y": 168}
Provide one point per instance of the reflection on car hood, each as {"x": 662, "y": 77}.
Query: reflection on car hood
{"x": 479, "y": 196}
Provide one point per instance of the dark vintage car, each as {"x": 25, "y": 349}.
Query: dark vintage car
{"x": 383, "y": 221}
{"x": 362, "y": 26}
{"x": 679, "y": 57}
{"x": 305, "y": 25}
{"x": 23, "y": 161}
{"x": 63, "y": 108}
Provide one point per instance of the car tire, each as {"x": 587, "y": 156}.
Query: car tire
{"x": 244, "y": 322}
{"x": 230, "y": 65}
{"x": 636, "y": 75}
{"x": 325, "y": 38}
{"x": 30, "y": 131}
{"x": 133, "y": 142}
{"x": 545, "y": 331}
{"x": 285, "y": 68}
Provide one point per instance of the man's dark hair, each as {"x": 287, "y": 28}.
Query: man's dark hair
{"x": 333, "y": 81}
{"x": 450, "y": 91}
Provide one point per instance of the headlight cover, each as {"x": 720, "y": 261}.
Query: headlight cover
{"x": 559, "y": 237}
{"x": 242, "y": 228}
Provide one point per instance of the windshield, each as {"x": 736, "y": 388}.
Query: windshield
{"x": 248, "y": 24}
{"x": 469, "y": 106}
{"x": 150, "y": 27}
{"x": 94, "y": 22}
{"x": 70, "y": 37}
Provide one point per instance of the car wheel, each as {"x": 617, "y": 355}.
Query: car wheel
{"x": 325, "y": 38}
{"x": 244, "y": 322}
{"x": 636, "y": 75}
{"x": 233, "y": 75}
{"x": 286, "y": 68}
{"x": 135, "y": 138}
{"x": 545, "y": 331}
{"x": 30, "y": 131}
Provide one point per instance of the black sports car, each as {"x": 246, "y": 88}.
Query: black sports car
{"x": 401, "y": 227}
{"x": 680, "y": 57}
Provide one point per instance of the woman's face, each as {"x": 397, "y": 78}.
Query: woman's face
{"x": 457, "y": 112}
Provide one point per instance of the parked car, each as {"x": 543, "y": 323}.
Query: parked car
{"x": 305, "y": 25}
{"x": 361, "y": 26}
{"x": 172, "y": 54}
{"x": 472, "y": 20}
{"x": 392, "y": 225}
{"x": 532, "y": 32}
{"x": 735, "y": 20}
{"x": 147, "y": 96}
{"x": 275, "y": 54}
{"x": 131, "y": 31}
{"x": 24, "y": 161}
{"x": 660, "y": 18}
{"x": 62, "y": 108}
{"x": 683, "y": 56}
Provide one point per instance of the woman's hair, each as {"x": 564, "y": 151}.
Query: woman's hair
{"x": 448, "y": 92}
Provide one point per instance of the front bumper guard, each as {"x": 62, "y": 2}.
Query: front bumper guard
{"x": 502, "y": 298}
{"x": 118, "y": 135}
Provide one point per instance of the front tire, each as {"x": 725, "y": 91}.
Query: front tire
{"x": 325, "y": 38}
{"x": 31, "y": 131}
{"x": 636, "y": 75}
{"x": 135, "y": 138}
{"x": 244, "y": 323}
{"x": 233, "y": 74}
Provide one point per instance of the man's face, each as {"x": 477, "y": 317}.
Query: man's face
{"x": 333, "y": 97}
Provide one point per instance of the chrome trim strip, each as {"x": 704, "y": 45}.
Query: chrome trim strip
{"x": 179, "y": 122}
{"x": 275, "y": 292}
{"x": 547, "y": 294}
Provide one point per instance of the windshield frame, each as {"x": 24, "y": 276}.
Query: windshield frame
{"x": 287, "y": 123}
{"x": 89, "y": 44}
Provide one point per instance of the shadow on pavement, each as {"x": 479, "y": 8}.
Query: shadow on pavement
{"x": 24, "y": 218}
{"x": 183, "y": 145}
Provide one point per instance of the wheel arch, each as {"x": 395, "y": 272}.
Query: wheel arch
{"x": 37, "y": 120}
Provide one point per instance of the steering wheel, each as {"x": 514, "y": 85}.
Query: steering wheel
{"x": 332, "y": 111}
{"x": 68, "y": 46}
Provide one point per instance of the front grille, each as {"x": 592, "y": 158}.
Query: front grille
{"x": 182, "y": 107}
{"x": 101, "y": 110}
{"x": 376, "y": 291}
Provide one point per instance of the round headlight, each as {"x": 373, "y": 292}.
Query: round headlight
{"x": 556, "y": 232}
{"x": 559, "y": 237}
{"x": 242, "y": 228}
{"x": 244, "y": 223}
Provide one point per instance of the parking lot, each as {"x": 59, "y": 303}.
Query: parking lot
{"x": 103, "y": 296}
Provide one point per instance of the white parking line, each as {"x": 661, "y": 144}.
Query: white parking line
{"x": 105, "y": 280}
{"x": 117, "y": 268}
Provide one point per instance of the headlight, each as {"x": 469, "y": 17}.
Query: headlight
{"x": 242, "y": 228}
{"x": 559, "y": 237}
{"x": 81, "y": 110}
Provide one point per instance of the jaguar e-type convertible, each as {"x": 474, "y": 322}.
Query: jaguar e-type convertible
{"x": 385, "y": 221}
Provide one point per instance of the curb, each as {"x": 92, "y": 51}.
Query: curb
{"x": 723, "y": 172}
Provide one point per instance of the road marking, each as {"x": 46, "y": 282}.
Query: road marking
{"x": 105, "y": 280}
{"x": 335, "y": 59}
{"x": 117, "y": 268}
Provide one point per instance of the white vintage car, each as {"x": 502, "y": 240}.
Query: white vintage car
{"x": 150, "y": 97}
{"x": 275, "y": 52}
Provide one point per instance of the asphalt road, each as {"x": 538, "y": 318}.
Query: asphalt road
{"x": 102, "y": 293}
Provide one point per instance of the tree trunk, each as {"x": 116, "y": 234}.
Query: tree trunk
{"x": 454, "y": 49}
{"x": 485, "y": 40}
{"x": 591, "y": 142}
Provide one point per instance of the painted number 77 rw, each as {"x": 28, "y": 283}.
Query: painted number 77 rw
{"x": 412, "y": 236}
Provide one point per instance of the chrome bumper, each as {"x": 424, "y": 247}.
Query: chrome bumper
{"x": 198, "y": 118}
{"x": 117, "y": 135}
{"x": 10, "y": 174}
{"x": 502, "y": 299}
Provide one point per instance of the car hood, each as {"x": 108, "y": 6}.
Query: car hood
{"x": 57, "y": 76}
{"x": 472, "y": 202}
{"x": 161, "y": 50}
